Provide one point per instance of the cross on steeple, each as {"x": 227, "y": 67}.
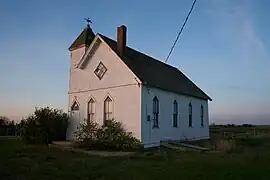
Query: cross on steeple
{"x": 88, "y": 20}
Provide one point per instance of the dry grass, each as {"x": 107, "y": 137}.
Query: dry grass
{"x": 226, "y": 146}
{"x": 24, "y": 162}
{"x": 251, "y": 161}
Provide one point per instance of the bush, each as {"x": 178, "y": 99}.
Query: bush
{"x": 87, "y": 131}
{"x": 110, "y": 136}
{"x": 44, "y": 126}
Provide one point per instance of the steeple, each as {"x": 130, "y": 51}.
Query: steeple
{"x": 84, "y": 39}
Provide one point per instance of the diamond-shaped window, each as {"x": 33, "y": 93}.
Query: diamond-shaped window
{"x": 100, "y": 70}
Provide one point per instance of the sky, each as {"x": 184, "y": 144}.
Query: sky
{"x": 224, "y": 49}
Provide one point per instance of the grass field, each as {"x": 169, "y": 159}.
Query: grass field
{"x": 20, "y": 161}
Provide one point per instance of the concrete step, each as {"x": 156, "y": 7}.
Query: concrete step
{"x": 172, "y": 146}
{"x": 190, "y": 146}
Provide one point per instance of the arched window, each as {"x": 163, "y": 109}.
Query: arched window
{"x": 75, "y": 106}
{"x": 155, "y": 112}
{"x": 175, "y": 113}
{"x": 202, "y": 114}
{"x": 190, "y": 115}
{"x": 108, "y": 112}
{"x": 91, "y": 110}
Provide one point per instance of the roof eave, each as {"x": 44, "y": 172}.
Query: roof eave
{"x": 90, "y": 47}
{"x": 206, "y": 98}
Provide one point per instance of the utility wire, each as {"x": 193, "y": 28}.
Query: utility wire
{"x": 181, "y": 30}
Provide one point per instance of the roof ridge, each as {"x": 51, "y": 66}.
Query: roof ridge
{"x": 143, "y": 53}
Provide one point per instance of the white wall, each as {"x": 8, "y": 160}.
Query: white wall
{"x": 166, "y": 131}
{"x": 75, "y": 56}
{"x": 118, "y": 82}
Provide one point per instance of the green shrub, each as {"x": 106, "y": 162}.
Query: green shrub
{"x": 44, "y": 126}
{"x": 110, "y": 136}
{"x": 87, "y": 131}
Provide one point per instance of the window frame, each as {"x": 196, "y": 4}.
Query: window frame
{"x": 175, "y": 114}
{"x": 202, "y": 116}
{"x": 107, "y": 114}
{"x": 75, "y": 104}
{"x": 190, "y": 124}
{"x": 155, "y": 112}
{"x": 91, "y": 115}
{"x": 100, "y": 70}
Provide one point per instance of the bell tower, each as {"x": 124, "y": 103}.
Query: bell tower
{"x": 77, "y": 50}
{"x": 80, "y": 45}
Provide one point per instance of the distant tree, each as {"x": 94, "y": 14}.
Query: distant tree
{"x": 4, "y": 121}
{"x": 247, "y": 125}
{"x": 230, "y": 125}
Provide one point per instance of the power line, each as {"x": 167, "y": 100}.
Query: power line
{"x": 181, "y": 30}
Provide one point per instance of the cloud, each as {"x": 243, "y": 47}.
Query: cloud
{"x": 247, "y": 58}
{"x": 249, "y": 33}
{"x": 235, "y": 26}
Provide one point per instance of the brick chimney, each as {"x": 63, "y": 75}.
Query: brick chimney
{"x": 121, "y": 39}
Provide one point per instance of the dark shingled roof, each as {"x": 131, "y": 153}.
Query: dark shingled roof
{"x": 85, "y": 38}
{"x": 157, "y": 74}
